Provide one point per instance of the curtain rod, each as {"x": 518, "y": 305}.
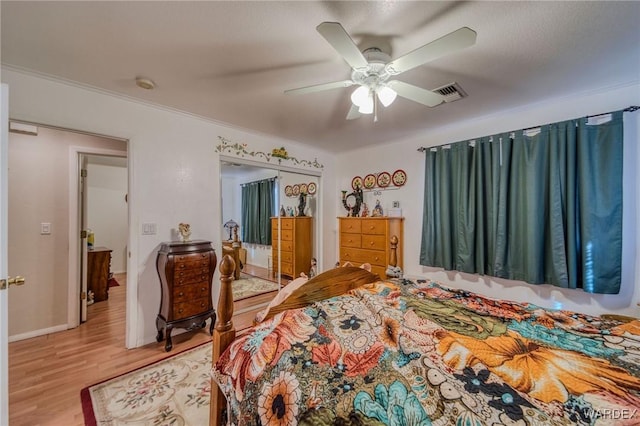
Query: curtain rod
{"x": 632, "y": 108}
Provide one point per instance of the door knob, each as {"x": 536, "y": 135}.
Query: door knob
{"x": 11, "y": 281}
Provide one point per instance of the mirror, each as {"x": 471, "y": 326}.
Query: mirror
{"x": 273, "y": 240}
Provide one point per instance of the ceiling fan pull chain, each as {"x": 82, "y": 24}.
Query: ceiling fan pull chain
{"x": 375, "y": 107}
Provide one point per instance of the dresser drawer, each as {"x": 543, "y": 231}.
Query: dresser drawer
{"x": 287, "y": 268}
{"x": 359, "y": 256}
{"x": 350, "y": 240}
{"x": 284, "y": 244}
{"x": 187, "y": 261}
{"x": 374, "y": 242}
{"x": 286, "y": 256}
{"x": 190, "y": 276}
{"x": 286, "y": 235}
{"x": 190, "y": 308}
{"x": 286, "y": 224}
{"x": 190, "y": 292}
{"x": 372, "y": 226}
{"x": 351, "y": 226}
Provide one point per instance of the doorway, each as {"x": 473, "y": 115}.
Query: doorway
{"x": 43, "y": 223}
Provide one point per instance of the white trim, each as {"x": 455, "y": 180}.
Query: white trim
{"x": 73, "y": 311}
{"x": 36, "y": 333}
{"x": 265, "y": 165}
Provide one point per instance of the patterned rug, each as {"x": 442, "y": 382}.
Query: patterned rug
{"x": 248, "y": 286}
{"x": 174, "y": 391}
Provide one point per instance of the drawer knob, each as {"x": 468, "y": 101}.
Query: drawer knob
{"x": 204, "y": 289}
{"x": 202, "y": 305}
{"x": 181, "y": 294}
{"x": 371, "y": 243}
{"x": 182, "y": 265}
{"x": 180, "y": 310}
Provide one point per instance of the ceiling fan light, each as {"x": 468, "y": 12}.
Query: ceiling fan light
{"x": 367, "y": 106}
{"x": 360, "y": 96}
{"x": 386, "y": 95}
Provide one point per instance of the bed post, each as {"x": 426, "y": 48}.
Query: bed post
{"x": 223, "y": 334}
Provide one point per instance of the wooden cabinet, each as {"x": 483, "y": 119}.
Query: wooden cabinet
{"x": 186, "y": 273}
{"x": 291, "y": 245}
{"x": 369, "y": 240}
{"x": 98, "y": 272}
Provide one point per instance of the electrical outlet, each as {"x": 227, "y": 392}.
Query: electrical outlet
{"x": 396, "y": 204}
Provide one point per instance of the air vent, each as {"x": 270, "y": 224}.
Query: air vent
{"x": 451, "y": 92}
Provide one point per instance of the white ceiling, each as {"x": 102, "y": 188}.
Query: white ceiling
{"x": 232, "y": 61}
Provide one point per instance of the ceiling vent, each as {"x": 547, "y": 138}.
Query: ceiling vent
{"x": 451, "y": 92}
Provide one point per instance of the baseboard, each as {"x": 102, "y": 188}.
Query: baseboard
{"x": 37, "y": 333}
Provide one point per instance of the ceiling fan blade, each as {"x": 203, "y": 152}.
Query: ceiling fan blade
{"x": 415, "y": 93}
{"x": 450, "y": 43}
{"x": 319, "y": 87}
{"x": 353, "y": 112}
{"x": 337, "y": 37}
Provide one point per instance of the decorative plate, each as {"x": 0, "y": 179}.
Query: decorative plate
{"x": 312, "y": 188}
{"x": 288, "y": 190}
{"x": 369, "y": 181}
{"x": 356, "y": 182}
{"x": 384, "y": 179}
{"x": 303, "y": 188}
{"x": 399, "y": 177}
{"x": 296, "y": 190}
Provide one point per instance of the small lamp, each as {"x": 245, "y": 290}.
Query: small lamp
{"x": 230, "y": 224}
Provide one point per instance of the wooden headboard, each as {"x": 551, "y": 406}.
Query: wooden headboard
{"x": 333, "y": 282}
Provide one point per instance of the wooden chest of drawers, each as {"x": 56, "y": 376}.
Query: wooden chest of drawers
{"x": 368, "y": 240}
{"x": 186, "y": 273}
{"x": 98, "y": 272}
{"x": 291, "y": 245}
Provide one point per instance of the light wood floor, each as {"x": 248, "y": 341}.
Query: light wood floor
{"x": 47, "y": 373}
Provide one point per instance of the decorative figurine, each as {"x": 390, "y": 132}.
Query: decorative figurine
{"x": 377, "y": 210}
{"x": 353, "y": 211}
{"x": 302, "y": 204}
{"x": 185, "y": 231}
{"x": 365, "y": 210}
{"x": 314, "y": 270}
{"x": 282, "y": 211}
{"x": 290, "y": 211}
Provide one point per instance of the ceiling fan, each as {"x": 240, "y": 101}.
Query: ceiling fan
{"x": 372, "y": 70}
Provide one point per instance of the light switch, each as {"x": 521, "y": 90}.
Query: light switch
{"x": 45, "y": 229}
{"x": 149, "y": 229}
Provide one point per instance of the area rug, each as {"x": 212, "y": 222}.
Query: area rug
{"x": 248, "y": 286}
{"x": 174, "y": 391}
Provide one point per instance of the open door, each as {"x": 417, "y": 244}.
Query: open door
{"x": 4, "y": 293}
{"x": 82, "y": 197}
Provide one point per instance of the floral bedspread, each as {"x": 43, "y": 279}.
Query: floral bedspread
{"x": 400, "y": 352}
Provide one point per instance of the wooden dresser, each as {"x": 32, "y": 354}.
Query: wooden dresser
{"x": 186, "y": 273}
{"x": 295, "y": 244}
{"x": 368, "y": 240}
{"x": 98, "y": 272}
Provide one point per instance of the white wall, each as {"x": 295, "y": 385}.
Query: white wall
{"x": 174, "y": 173}
{"x": 39, "y": 193}
{"x": 403, "y": 155}
{"x": 107, "y": 211}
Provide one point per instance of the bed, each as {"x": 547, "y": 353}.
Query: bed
{"x": 348, "y": 348}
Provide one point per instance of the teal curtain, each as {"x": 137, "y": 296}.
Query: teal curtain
{"x": 258, "y": 206}
{"x": 541, "y": 208}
